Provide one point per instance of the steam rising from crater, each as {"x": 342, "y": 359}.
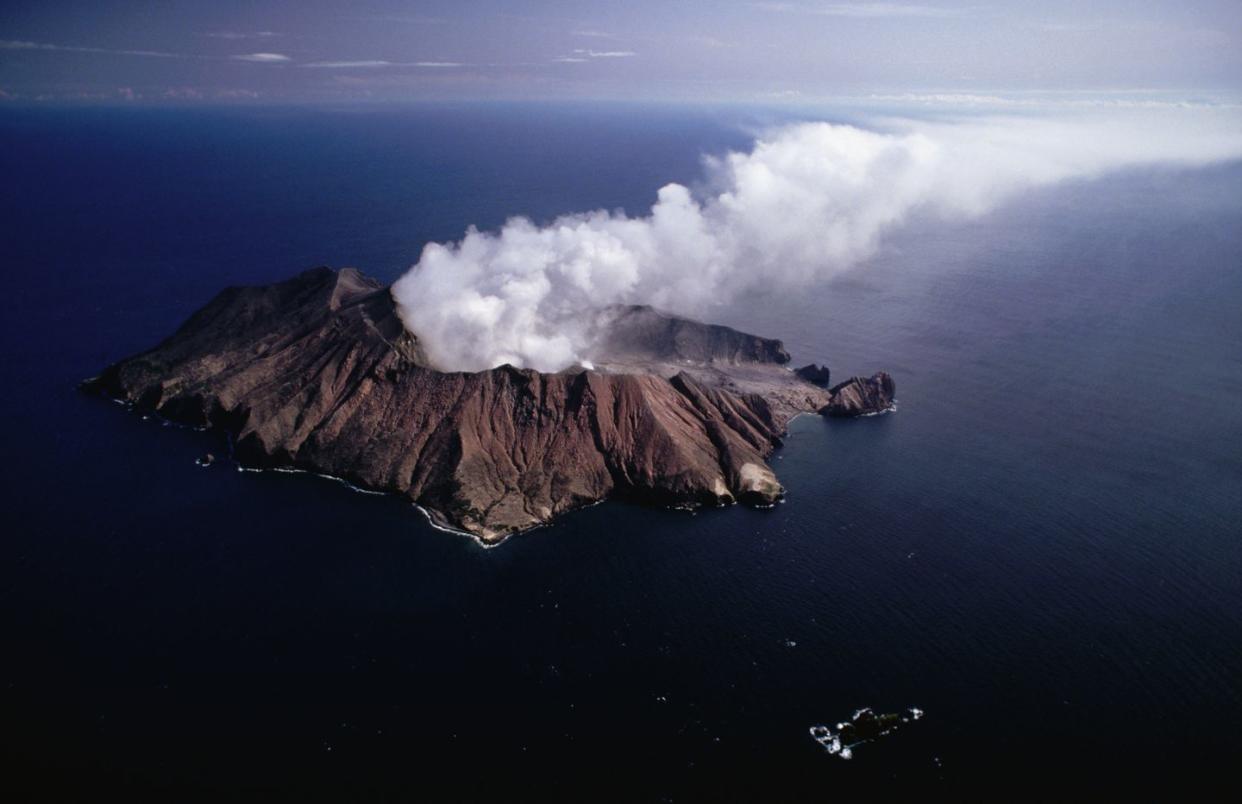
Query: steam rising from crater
{"x": 808, "y": 201}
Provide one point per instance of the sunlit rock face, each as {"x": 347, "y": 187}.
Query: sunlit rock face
{"x": 862, "y": 396}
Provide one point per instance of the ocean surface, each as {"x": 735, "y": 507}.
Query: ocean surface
{"x": 1041, "y": 549}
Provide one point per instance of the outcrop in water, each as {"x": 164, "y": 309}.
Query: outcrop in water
{"x": 859, "y": 396}
{"x": 864, "y": 727}
{"x": 816, "y": 375}
{"x": 318, "y": 373}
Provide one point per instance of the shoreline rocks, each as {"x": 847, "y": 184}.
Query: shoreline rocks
{"x": 859, "y": 396}
{"x": 816, "y": 375}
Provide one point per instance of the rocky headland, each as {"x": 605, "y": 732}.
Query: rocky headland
{"x": 319, "y": 373}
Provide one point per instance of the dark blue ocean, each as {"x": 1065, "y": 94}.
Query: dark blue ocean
{"x": 1042, "y": 548}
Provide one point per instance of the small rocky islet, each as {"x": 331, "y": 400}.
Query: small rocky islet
{"x": 863, "y": 727}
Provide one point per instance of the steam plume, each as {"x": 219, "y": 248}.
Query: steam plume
{"x": 808, "y": 201}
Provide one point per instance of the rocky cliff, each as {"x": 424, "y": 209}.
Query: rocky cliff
{"x": 318, "y": 373}
{"x": 861, "y": 396}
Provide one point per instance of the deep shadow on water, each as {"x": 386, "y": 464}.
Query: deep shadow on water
{"x": 1040, "y": 548}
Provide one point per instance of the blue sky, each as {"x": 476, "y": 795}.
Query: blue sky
{"x": 282, "y": 50}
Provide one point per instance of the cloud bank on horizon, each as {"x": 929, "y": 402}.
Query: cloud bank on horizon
{"x": 807, "y": 202}
{"x": 56, "y": 51}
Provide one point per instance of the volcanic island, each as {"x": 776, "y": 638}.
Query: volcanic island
{"x": 319, "y": 373}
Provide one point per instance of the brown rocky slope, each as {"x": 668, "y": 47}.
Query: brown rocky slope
{"x": 318, "y": 373}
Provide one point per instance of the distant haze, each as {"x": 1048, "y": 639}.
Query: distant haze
{"x": 809, "y": 201}
{"x": 286, "y": 50}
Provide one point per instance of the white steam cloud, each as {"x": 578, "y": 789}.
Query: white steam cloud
{"x": 809, "y": 201}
